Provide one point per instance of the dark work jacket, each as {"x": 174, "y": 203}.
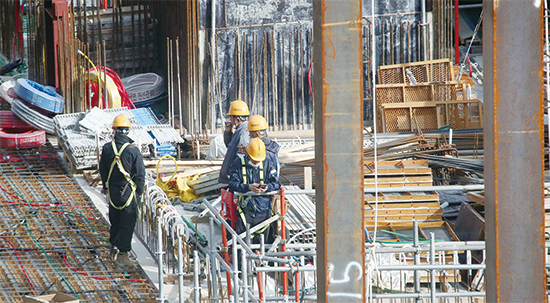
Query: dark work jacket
{"x": 271, "y": 178}
{"x": 232, "y": 141}
{"x": 119, "y": 188}
{"x": 272, "y": 147}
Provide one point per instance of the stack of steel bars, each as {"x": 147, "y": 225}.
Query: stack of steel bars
{"x": 77, "y": 133}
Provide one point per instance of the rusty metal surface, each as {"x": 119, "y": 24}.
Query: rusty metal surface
{"x": 52, "y": 238}
{"x": 338, "y": 128}
{"x": 512, "y": 57}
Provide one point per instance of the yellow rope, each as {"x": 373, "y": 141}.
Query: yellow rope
{"x": 161, "y": 184}
{"x": 98, "y": 76}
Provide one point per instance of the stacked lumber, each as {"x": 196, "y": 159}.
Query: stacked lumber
{"x": 396, "y": 210}
{"x": 422, "y": 96}
{"x": 206, "y": 183}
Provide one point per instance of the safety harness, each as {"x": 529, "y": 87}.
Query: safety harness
{"x": 245, "y": 181}
{"x": 116, "y": 161}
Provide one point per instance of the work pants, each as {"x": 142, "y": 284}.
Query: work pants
{"x": 253, "y": 221}
{"x": 123, "y": 222}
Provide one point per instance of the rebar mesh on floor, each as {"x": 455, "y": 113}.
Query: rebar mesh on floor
{"x": 52, "y": 238}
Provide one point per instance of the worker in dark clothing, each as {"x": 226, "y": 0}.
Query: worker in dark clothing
{"x": 257, "y": 173}
{"x": 238, "y": 115}
{"x": 123, "y": 176}
{"x": 257, "y": 128}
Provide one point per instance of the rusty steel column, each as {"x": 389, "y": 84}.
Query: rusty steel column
{"x": 514, "y": 139}
{"x": 339, "y": 150}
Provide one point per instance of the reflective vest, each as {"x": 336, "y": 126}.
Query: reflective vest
{"x": 116, "y": 161}
{"x": 245, "y": 181}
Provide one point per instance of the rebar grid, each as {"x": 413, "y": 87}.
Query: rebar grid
{"x": 53, "y": 238}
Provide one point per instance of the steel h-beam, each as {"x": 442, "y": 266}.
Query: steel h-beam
{"x": 512, "y": 58}
{"x": 339, "y": 150}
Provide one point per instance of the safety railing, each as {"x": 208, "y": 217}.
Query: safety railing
{"x": 168, "y": 237}
{"x": 165, "y": 235}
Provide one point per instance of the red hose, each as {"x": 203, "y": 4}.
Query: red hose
{"x": 94, "y": 277}
{"x": 124, "y": 98}
{"x": 469, "y": 64}
{"x": 9, "y": 120}
{"x": 16, "y": 138}
{"x": 20, "y": 264}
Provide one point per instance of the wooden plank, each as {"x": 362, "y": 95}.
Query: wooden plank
{"x": 422, "y": 104}
{"x": 393, "y": 85}
{"x": 193, "y": 171}
{"x": 403, "y": 197}
{"x": 418, "y": 63}
{"x": 183, "y": 163}
{"x": 477, "y": 197}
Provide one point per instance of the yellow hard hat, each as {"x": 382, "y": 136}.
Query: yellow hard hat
{"x": 238, "y": 108}
{"x": 256, "y": 149}
{"x": 256, "y": 123}
{"x": 121, "y": 121}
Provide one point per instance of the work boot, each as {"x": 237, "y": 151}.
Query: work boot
{"x": 125, "y": 260}
{"x": 114, "y": 253}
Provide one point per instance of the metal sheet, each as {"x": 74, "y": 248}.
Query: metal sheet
{"x": 338, "y": 146}
{"x": 512, "y": 57}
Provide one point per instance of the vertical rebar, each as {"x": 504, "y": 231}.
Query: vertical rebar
{"x": 432, "y": 271}
{"x": 180, "y": 269}
{"x": 180, "y": 105}
{"x": 285, "y": 124}
{"x": 416, "y": 260}
{"x": 275, "y": 103}
{"x": 159, "y": 258}
{"x": 196, "y": 272}
{"x": 302, "y": 80}
{"x": 107, "y": 99}
{"x": 244, "y": 266}
{"x": 169, "y": 83}
{"x": 213, "y": 252}
{"x": 235, "y": 270}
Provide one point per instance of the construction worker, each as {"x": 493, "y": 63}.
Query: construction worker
{"x": 257, "y": 128}
{"x": 238, "y": 116}
{"x": 257, "y": 173}
{"x": 123, "y": 176}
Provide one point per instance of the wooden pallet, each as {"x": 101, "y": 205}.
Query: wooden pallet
{"x": 423, "y": 71}
{"x": 431, "y": 115}
{"x": 398, "y": 167}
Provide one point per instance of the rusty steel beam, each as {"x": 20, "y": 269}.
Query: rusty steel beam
{"x": 513, "y": 95}
{"x": 339, "y": 150}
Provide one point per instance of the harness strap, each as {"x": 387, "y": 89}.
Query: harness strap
{"x": 245, "y": 178}
{"x": 118, "y": 163}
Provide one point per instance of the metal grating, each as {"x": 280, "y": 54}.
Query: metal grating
{"x": 397, "y": 120}
{"x": 419, "y": 72}
{"x": 389, "y": 94}
{"x": 417, "y": 93}
{"x": 444, "y": 92}
{"x": 424, "y": 71}
{"x": 53, "y": 238}
{"x": 441, "y": 71}
{"x": 391, "y": 75}
{"x": 425, "y": 118}
{"x": 466, "y": 115}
